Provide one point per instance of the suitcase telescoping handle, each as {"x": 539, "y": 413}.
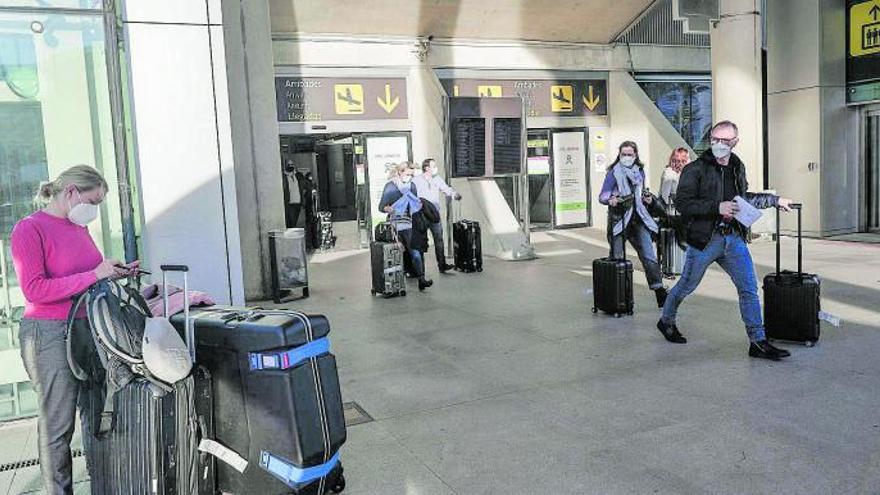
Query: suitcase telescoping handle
{"x": 800, "y": 248}
{"x": 188, "y": 332}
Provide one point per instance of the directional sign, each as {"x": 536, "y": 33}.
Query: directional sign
{"x": 863, "y": 51}
{"x": 864, "y": 28}
{"x": 591, "y": 99}
{"x": 561, "y": 98}
{"x": 315, "y": 99}
{"x": 388, "y": 104}
{"x": 490, "y": 91}
{"x": 349, "y": 99}
{"x": 543, "y": 97}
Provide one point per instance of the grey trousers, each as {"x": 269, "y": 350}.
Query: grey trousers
{"x": 44, "y": 352}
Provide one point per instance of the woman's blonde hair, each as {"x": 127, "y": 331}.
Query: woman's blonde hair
{"x": 83, "y": 177}
{"x": 397, "y": 169}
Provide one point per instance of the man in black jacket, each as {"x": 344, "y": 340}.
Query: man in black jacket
{"x": 705, "y": 199}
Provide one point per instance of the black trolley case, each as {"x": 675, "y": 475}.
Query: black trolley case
{"x": 613, "y": 285}
{"x": 277, "y": 402}
{"x": 792, "y": 299}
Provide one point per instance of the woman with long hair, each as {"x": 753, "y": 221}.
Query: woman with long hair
{"x": 55, "y": 259}
{"x": 402, "y": 204}
{"x": 629, "y": 217}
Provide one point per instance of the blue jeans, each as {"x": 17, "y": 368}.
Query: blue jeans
{"x": 418, "y": 264}
{"x": 732, "y": 254}
{"x": 640, "y": 238}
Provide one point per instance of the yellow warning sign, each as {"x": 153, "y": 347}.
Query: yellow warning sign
{"x": 349, "y": 99}
{"x": 561, "y": 98}
{"x": 864, "y": 28}
{"x": 489, "y": 91}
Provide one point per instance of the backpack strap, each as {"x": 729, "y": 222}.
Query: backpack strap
{"x": 75, "y": 368}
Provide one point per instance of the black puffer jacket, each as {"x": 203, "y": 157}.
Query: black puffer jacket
{"x": 700, "y": 191}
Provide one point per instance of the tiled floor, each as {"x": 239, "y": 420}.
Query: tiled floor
{"x": 504, "y": 382}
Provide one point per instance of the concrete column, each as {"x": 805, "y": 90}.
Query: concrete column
{"x": 255, "y": 144}
{"x": 182, "y": 141}
{"x": 736, "y": 80}
{"x": 813, "y": 136}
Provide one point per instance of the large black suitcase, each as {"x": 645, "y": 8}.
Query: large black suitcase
{"x": 467, "y": 246}
{"x": 152, "y": 447}
{"x": 613, "y": 285}
{"x": 386, "y": 266}
{"x": 277, "y": 401}
{"x": 792, "y": 299}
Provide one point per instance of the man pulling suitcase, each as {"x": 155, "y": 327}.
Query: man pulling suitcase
{"x": 705, "y": 198}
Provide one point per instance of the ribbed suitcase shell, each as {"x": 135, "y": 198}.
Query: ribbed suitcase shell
{"x": 792, "y": 300}
{"x": 671, "y": 254}
{"x": 270, "y": 410}
{"x": 613, "y": 286}
{"x": 152, "y": 448}
{"x": 386, "y": 262}
{"x": 467, "y": 245}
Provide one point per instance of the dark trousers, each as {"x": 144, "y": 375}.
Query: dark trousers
{"x": 415, "y": 256}
{"x": 59, "y": 393}
{"x": 437, "y": 235}
{"x": 293, "y": 210}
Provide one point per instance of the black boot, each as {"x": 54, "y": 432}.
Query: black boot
{"x": 670, "y": 332}
{"x": 762, "y": 349}
{"x": 445, "y": 267}
{"x": 425, "y": 283}
{"x": 661, "y": 295}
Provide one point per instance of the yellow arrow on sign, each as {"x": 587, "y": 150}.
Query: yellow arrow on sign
{"x": 388, "y": 104}
{"x": 590, "y": 101}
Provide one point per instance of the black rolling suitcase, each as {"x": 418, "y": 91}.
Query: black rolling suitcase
{"x": 792, "y": 299}
{"x": 613, "y": 285}
{"x": 467, "y": 246}
{"x": 277, "y": 402}
{"x": 152, "y": 445}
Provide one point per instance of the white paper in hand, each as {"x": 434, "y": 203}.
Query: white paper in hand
{"x": 747, "y": 214}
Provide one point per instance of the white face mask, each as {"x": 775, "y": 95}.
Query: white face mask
{"x": 82, "y": 214}
{"x": 404, "y": 179}
{"x": 434, "y": 171}
{"x": 721, "y": 150}
{"x": 627, "y": 161}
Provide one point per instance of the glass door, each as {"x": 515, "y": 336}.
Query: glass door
{"x": 55, "y": 112}
{"x": 872, "y": 166}
{"x": 540, "y": 179}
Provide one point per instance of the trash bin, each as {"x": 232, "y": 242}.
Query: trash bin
{"x": 290, "y": 267}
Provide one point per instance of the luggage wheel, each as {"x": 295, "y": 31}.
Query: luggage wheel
{"x": 618, "y": 315}
{"x": 809, "y": 343}
{"x": 373, "y": 292}
{"x": 630, "y": 313}
{"x": 595, "y": 310}
{"x": 340, "y": 484}
{"x": 402, "y": 293}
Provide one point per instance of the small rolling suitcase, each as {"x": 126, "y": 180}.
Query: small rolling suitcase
{"x": 467, "y": 246}
{"x": 792, "y": 299}
{"x": 613, "y": 285}
{"x": 386, "y": 262}
{"x": 277, "y": 402}
{"x": 152, "y": 446}
{"x": 671, "y": 253}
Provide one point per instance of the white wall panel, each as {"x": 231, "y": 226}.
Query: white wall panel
{"x": 176, "y": 134}
{"x": 166, "y": 11}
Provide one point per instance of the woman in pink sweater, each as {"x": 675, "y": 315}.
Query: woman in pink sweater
{"x": 55, "y": 259}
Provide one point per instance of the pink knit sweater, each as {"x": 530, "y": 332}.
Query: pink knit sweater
{"x": 54, "y": 260}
